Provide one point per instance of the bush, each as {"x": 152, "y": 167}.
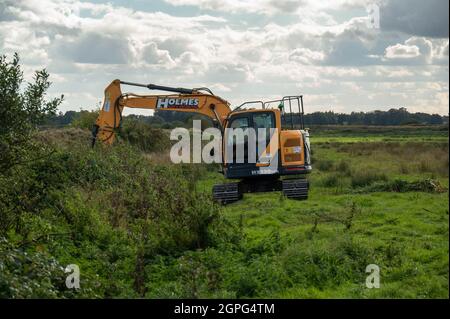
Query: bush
{"x": 110, "y": 211}
{"x": 85, "y": 119}
{"x": 343, "y": 167}
{"x": 401, "y": 186}
{"x": 144, "y": 136}
{"x": 35, "y": 275}
{"x": 365, "y": 178}
{"x": 324, "y": 165}
{"x": 331, "y": 180}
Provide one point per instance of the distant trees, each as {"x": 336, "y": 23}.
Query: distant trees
{"x": 393, "y": 116}
{"x": 160, "y": 119}
{"x": 171, "y": 119}
{"x": 61, "y": 119}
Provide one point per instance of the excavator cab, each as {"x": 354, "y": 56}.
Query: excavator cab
{"x": 282, "y": 155}
{"x": 260, "y": 157}
{"x": 283, "y": 141}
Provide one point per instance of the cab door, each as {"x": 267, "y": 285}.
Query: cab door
{"x": 265, "y": 126}
{"x": 257, "y": 130}
{"x": 236, "y": 146}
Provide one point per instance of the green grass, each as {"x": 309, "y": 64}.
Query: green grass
{"x": 354, "y": 134}
{"x": 375, "y": 138}
{"x": 141, "y": 227}
{"x": 323, "y": 244}
{"x": 414, "y": 224}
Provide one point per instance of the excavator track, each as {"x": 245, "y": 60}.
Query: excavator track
{"x": 295, "y": 188}
{"x": 227, "y": 193}
{"x": 232, "y": 192}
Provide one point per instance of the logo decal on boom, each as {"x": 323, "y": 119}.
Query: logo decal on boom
{"x": 189, "y": 103}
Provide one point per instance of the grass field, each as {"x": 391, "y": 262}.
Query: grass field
{"x": 139, "y": 226}
{"x": 370, "y": 203}
{"x": 348, "y": 134}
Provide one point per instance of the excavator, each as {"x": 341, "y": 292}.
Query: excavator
{"x": 283, "y": 163}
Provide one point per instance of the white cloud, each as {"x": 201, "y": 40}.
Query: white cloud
{"x": 270, "y": 7}
{"x": 335, "y": 64}
{"x": 306, "y": 56}
{"x": 401, "y": 51}
{"x": 152, "y": 55}
{"x": 262, "y": 7}
{"x": 419, "y": 50}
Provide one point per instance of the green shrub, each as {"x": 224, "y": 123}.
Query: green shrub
{"x": 144, "y": 136}
{"x": 343, "y": 167}
{"x": 367, "y": 177}
{"x": 324, "y": 165}
{"x": 331, "y": 180}
{"x": 31, "y": 274}
{"x": 402, "y": 186}
{"x": 109, "y": 208}
{"x": 85, "y": 119}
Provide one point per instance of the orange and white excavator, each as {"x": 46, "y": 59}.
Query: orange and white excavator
{"x": 282, "y": 162}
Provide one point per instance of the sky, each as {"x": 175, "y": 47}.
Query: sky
{"x": 342, "y": 55}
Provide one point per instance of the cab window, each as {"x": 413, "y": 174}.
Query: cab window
{"x": 263, "y": 121}
{"x": 240, "y": 122}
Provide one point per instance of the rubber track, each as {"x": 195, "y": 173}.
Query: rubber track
{"x": 227, "y": 193}
{"x": 295, "y": 188}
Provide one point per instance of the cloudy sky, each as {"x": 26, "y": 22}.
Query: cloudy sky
{"x": 333, "y": 52}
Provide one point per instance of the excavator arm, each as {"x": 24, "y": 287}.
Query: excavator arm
{"x": 200, "y": 100}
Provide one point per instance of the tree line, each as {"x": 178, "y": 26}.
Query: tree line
{"x": 170, "y": 119}
{"x": 399, "y": 116}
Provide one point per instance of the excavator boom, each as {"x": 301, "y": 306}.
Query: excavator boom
{"x": 200, "y": 100}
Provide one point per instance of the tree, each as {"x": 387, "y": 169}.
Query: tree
{"x": 85, "y": 119}
{"x": 21, "y": 110}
